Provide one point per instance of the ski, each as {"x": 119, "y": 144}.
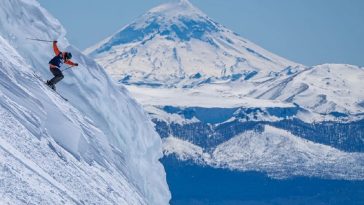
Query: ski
{"x": 45, "y": 82}
{"x": 56, "y": 92}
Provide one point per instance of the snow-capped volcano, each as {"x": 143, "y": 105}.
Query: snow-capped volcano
{"x": 175, "y": 45}
{"x": 178, "y": 43}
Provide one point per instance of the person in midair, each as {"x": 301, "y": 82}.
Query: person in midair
{"x": 56, "y": 63}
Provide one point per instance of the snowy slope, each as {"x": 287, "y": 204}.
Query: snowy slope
{"x": 274, "y": 151}
{"x": 98, "y": 148}
{"x": 177, "y": 43}
{"x": 49, "y": 146}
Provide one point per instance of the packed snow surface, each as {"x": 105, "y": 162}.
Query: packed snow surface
{"x": 97, "y": 148}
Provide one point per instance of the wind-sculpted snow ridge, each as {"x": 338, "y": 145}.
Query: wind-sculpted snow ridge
{"x": 97, "y": 148}
{"x": 275, "y": 152}
{"x": 50, "y": 152}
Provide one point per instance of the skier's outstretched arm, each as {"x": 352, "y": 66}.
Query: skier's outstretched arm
{"x": 69, "y": 62}
{"x": 55, "y": 48}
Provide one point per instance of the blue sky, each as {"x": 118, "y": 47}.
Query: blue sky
{"x": 310, "y": 32}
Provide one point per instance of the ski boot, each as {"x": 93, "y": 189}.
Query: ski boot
{"x": 51, "y": 85}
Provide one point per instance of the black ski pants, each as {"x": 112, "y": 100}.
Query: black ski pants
{"x": 58, "y": 76}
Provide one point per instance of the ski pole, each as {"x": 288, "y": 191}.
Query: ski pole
{"x": 35, "y": 39}
{"x": 66, "y": 68}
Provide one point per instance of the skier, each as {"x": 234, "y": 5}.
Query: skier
{"x": 55, "y": 64}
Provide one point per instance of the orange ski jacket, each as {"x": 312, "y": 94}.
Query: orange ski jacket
{"x": 56, "y": 61}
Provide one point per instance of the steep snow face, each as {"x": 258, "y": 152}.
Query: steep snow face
{"x": 98, "y": 148}
{"x": 51, "y": 153}
{"x": 274, "y": 151}
{"x": 176, "y": 43}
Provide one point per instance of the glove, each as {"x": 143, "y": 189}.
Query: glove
{"x": 76, "y": 64}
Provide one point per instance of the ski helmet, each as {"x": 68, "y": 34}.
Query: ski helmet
{"x": 68, "y": 55}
